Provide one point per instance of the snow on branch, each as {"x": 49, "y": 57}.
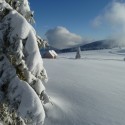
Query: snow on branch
{"x": 21, "y": 67}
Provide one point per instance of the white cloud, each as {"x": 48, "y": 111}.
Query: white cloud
{"x": 113, "y": 16}
{"x": 61, "y": 38}
{"x": 97, "y": 21}
{"x": 115, "y": 13}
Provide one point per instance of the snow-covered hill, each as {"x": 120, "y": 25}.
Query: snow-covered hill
{"x": 88, "y": 91}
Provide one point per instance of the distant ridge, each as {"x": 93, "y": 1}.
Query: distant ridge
{"x": 101, "y": 44}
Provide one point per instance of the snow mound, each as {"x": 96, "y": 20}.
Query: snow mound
{"x": 118, "y": 51}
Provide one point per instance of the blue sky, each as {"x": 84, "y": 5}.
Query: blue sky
{"x": 71, "y": 22}
{"x": 75, "y": 15}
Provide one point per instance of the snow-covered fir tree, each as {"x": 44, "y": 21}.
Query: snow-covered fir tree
{"x": 22, "y": 92}
{"x": 78, "y": 53}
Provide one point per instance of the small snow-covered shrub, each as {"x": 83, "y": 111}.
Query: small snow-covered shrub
{"x": 78, "y": 53}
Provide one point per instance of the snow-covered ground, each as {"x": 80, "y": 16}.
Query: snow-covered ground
{"x": 89, "y": 91}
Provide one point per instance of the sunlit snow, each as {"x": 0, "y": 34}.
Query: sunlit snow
{"x": 88, "y": 91}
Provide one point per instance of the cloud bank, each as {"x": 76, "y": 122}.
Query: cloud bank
{"x": 61, "y": 38}
{"x": 113, "y": 16}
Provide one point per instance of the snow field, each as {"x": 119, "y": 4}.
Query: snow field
{"x": 89, "y": 91}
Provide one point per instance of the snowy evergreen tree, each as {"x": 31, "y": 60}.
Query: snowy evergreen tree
{"x": 22, "y": 93}
{"x": 78, "y": 53}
